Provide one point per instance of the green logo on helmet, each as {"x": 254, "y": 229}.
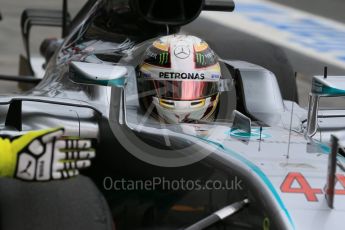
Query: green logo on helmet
{"x": 200, "y": 58}
{"x": 163, "y": 58}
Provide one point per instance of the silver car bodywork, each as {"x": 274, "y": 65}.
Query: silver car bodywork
{"x": 283, "y": 169}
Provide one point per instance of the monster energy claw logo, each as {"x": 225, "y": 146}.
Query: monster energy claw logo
{"x": 163, "y": 58}
{"x": 200, "y": 58}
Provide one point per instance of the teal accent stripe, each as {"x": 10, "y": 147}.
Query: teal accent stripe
{"x": 320, "y": 88}
{"x": 332, "y": 91}
{"x": 119, "y": 82}
{"x": 259, "y": 172}
{"x": 327, "y": 150}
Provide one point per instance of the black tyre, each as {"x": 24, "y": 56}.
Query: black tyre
{"x": 69, "y": 204}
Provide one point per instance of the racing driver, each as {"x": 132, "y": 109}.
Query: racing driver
{"x": 180, "y": 77}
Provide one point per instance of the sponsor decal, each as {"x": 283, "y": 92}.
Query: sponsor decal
{"x": 163, "y": 58}
{"x": 209, "y": 54}
{"x": 200, "y": 58}
{"x": 173, "y": 75}
{"x": 305, "y": 188}
{"x": 182, "y": 52}
{"x": 151, "y": 54}
{"x": 215, "y": 76}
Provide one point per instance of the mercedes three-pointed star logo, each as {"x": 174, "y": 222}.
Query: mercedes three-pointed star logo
{"x": 182, "y": 52}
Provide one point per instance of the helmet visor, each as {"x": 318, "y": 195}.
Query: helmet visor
{"x": 179, "y": 90}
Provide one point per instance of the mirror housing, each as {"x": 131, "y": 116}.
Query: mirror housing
{"x": 98, "y": 74}
{"x": 322, "y": 86}
{"x": 330, "y": 86}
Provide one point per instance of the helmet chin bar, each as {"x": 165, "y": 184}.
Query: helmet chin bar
{"x": 179, "y": 111}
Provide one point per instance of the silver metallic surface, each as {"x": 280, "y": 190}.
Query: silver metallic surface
{"x": 82, "y": 107}
{"x": 231, "y": 209}
{"x": 312, "y": 122}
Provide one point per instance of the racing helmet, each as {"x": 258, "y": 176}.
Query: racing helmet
{"x": 178, "y": 79}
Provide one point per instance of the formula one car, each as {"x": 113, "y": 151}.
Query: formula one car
{"x": 262, "y": 162}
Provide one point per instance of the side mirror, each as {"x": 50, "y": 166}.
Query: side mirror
{"x": 322, "y": 86}
{"x": 99, "y": 74}
{"x": 328, "y": 86}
